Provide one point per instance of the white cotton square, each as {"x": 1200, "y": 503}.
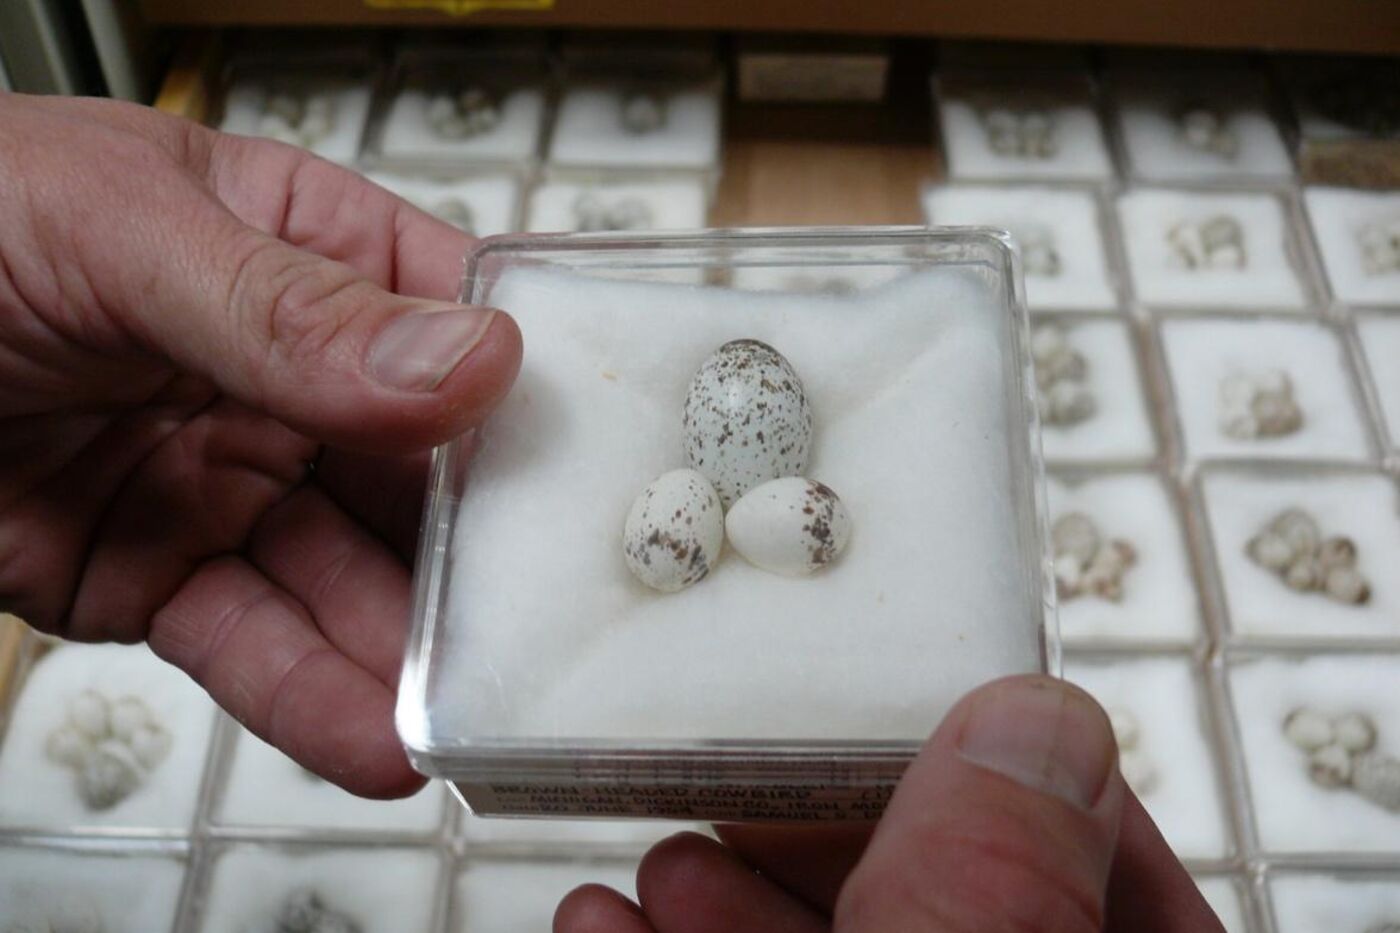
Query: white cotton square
{"x": 1215, "y": 125}
{"x": 1002, "y": 130}
{"x": 409, "y": 133}
{"x": 342, "y": 102}
{"x": 1158, "y": 602}
{"x": 383, "y": 889}
{"x": 38, "y": 792}
{"x": 1057, "y": 230}
{"x": 1326, "y": 903}
{"x": 1360, "y": 506}
{"x": 908, "y": 383}
{"x": 1294, "y": 814}
{"x": 1358, "y": 234}
{"x": 1260, "y": 272}
{"x": 1212, "y": 360}
{"x": 1171, "y": 750}
{"x": 1118, "y": 429}
{"x": 113, "y": 892}
{"x": 591, "y": 128}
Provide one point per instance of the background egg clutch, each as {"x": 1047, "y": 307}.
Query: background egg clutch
{"x": 748, "y": 437}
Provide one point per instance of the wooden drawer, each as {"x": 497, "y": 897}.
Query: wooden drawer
{"x": 1334, "y": 25}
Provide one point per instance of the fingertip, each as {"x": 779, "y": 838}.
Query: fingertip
{"x": 485, "y": 375}
{"x": 435, "y": 374}
{"x": 368, "y": 761}
{"x": 389, "y": 780}
{"x": 1042, "y": 732}
{"x": 594, "y": 908}
{"x": 1014, "y": 803}
{"x": 674, "y": 861}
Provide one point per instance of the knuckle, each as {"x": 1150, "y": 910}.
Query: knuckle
{"x": 187, "y": 635}
{"x": 192, "y": 143}
{"x": 329, "y": 578}
{"x": 293, "y": 307}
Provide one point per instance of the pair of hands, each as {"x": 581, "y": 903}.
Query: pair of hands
{"x": 213, "y": 351}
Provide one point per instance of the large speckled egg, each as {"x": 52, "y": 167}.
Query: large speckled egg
{"x": 746, "y": 419}
{"x": 792, "y": 526}
{"x": 674, "y": 531}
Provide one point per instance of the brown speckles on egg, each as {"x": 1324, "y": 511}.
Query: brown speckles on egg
{"x": 673, "y": 531}
{"x": 790, "y": 525}
{"x": 820, "y": 503}
{"x": 746, "y": 419}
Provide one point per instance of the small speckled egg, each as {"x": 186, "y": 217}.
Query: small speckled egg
{"x": 792, "y": 526}
{"x": 674, "y": 531}
{"x": 746, "y": 419}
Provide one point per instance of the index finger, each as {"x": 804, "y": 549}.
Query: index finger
{"x": 300, "y": 198}
{"x": 334, "y": 212}
{"x": 258, "y": 653}
{"x": 809, "y": 862}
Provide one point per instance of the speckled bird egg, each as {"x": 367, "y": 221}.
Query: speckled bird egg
{"x": 792, "y": 526}
{"x": 746, "y": 419}
{"x": 674, "y": 531}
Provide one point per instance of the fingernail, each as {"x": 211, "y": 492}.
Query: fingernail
{"x": 1043, "y": 734}
{"x": 418, "y": 350}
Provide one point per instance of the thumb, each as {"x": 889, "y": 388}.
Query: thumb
{"x": 1007, "y": 820}
{"x": 323, "y": 349}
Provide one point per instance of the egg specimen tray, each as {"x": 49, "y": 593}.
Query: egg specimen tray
{"x": 594, "y": 636}
{"x": 1207, "y": 652}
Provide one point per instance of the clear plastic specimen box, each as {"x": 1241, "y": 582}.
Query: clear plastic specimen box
{"x": 543, "y": 679}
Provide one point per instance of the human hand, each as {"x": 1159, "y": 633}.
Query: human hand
{"x": 1012, "y": 818}
{"x": 188, "y": 321}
